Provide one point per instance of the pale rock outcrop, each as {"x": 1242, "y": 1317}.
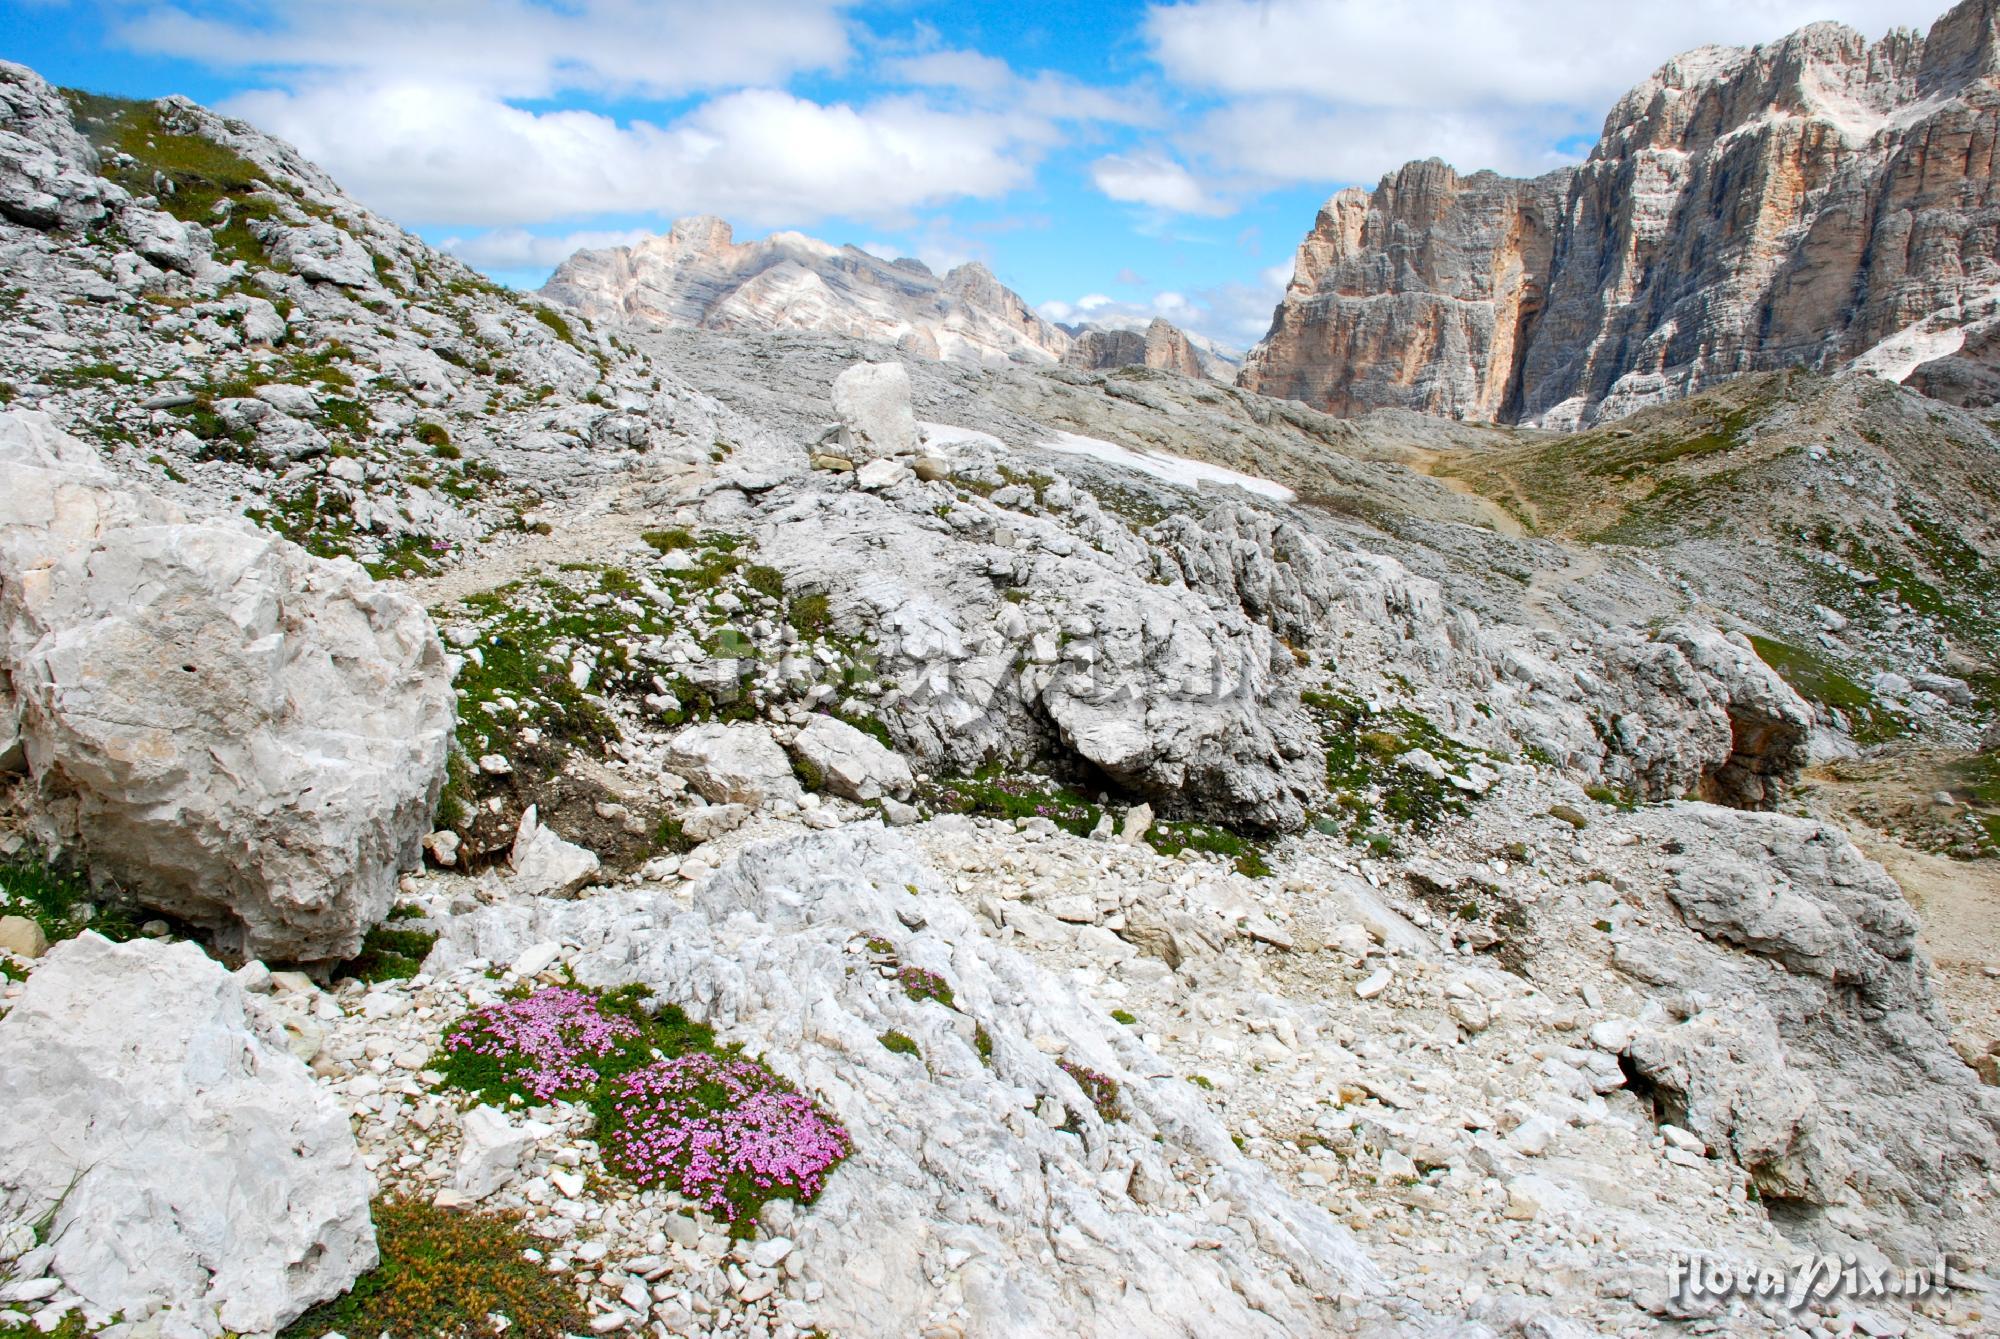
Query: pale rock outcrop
{"x": 245, "y": 736}
{"x": 735, "y": 763}
{"x": 851, "y": 764}
{"x": 47, "y": 170}
{"x": 1814, "y": 1048}
{"x": 1088, "y": 1230}
{"x": 1805, "y": 201}
{"x": 872, "y": 401}
{"x": 1162, "y": 345}
{"x": 491, "y": 1154}
{"x": 195, "y": 1169}
{"x": 320, "y": 252}
{"x": 542, "y": 863}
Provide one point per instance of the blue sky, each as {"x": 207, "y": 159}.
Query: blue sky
{"x": 1107, "y": 160}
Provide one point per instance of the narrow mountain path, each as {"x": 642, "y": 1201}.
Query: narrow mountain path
{"x": 582, "y": 530}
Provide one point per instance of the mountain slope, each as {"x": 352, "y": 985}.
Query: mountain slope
{"x": 1278, "y": 849}
{"x": 1810, "y": 201}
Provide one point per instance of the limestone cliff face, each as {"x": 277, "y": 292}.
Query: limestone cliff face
{"x": 1161, "y": 345}
{"x": 699, "y": 277}
{"x": 1804, "y": 201}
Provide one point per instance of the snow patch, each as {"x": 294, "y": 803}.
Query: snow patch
{"x": 1902, "y": 353}
{"x": 1175, "y": 470}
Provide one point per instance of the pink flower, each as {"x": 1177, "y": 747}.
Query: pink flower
{"x": 722, "y": 1130}
{"x": 545, "y": 1042}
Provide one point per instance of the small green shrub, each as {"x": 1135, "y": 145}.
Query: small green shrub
{"x": 556, "y": 324}
{"x": 919, "y": 984}
{"x": 448, "y": 1272}
{"x": 667, "y": 541}
{"x": 389, "y": 955}
{"x": 1124, "y": 1017}
{"x": 810, "y": 615}
{"x": 899, "y": 1043}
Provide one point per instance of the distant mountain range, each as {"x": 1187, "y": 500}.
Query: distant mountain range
{"x": 699, "y": 277}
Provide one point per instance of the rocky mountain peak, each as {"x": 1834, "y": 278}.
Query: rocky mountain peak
{"x": 702, "y": 233}
{"x": 1816, "y": 200}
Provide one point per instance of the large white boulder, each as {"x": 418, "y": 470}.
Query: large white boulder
{"x": 872, "y": 401}
{"x": 733, "y": 764}
{"x": 850, "y": 763}
{"x": 192, "y": 1165}
{"x": 543, "y": 864}
{"x": 248, "y": 737}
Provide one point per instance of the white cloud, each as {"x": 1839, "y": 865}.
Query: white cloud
{"x": 514, "y": 47}
{"x": 1256, "y": 141}
{"x": 1153, "y": 180}
{"x": 1334, "y": 91}
{"x": 435, "y": 152}
{"x": 1471, "y": 53}
{"x": 516, "y": 249}
{"x": 1233, "y": 315}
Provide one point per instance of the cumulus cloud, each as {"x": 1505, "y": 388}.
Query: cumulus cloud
{"x": 434, "y": 152}
{"x": 1233, "y": 316}
{"x": 1153, "y": 180}
{"x": 516, "y": 249}
{"x": 516, "y": 48}
{"x": 1470, "y": 53}
{"x": 1333, "y": 91}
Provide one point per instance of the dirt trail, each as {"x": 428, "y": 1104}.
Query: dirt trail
{"x": 585, "y": 531}
{"x": 1426, "y": 463}
{"x": 1959, "y": 901}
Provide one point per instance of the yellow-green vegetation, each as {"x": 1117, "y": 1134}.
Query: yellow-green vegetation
{"x": 1172, "y": 836}
{"x": 388, "y": 955}
{"x": 57, "y": 897}
{"x": 555, "y": 322}
{"x": 447, "y": 1272}
{"x": 996, "y": 791}
{"x": 1368, "y": 781}
{"x": 195, "y": 179}
{"x": 515, "y": 682}
{"x": 1820, "y": 682}
{"x": 1977, "y": 781}
{"x": 899, "y": 1043}
{"x": 1636, "y": 480}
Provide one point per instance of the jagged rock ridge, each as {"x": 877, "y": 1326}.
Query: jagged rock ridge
{"x": 698, "y": 277}
{"x": 1811, "y": 201}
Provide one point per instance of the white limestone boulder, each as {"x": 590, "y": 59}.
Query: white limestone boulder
{"x": 735, "y": 763}
{"x": 851, "y": 764}
{"x": 193, "y": 1166}
{"x": 957, "y": 1152}
{"x": 872, "y": 401}
{"x": 544, "y": 864}
{"x": 248, "y": 737}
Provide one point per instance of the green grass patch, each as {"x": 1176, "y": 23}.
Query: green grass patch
{"x": 446, "y": 1272}
{"x": 59, "y": 898}
{"x": 1821, "y": 682}
{"x": 388, "y": 955}
{"x": 899, "y": 1043}
{"x": 996, "y": 792}
{"x": 1171, "y": 836}
{"x": 195, "y": 179}
{"x": 556, "y": 324}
